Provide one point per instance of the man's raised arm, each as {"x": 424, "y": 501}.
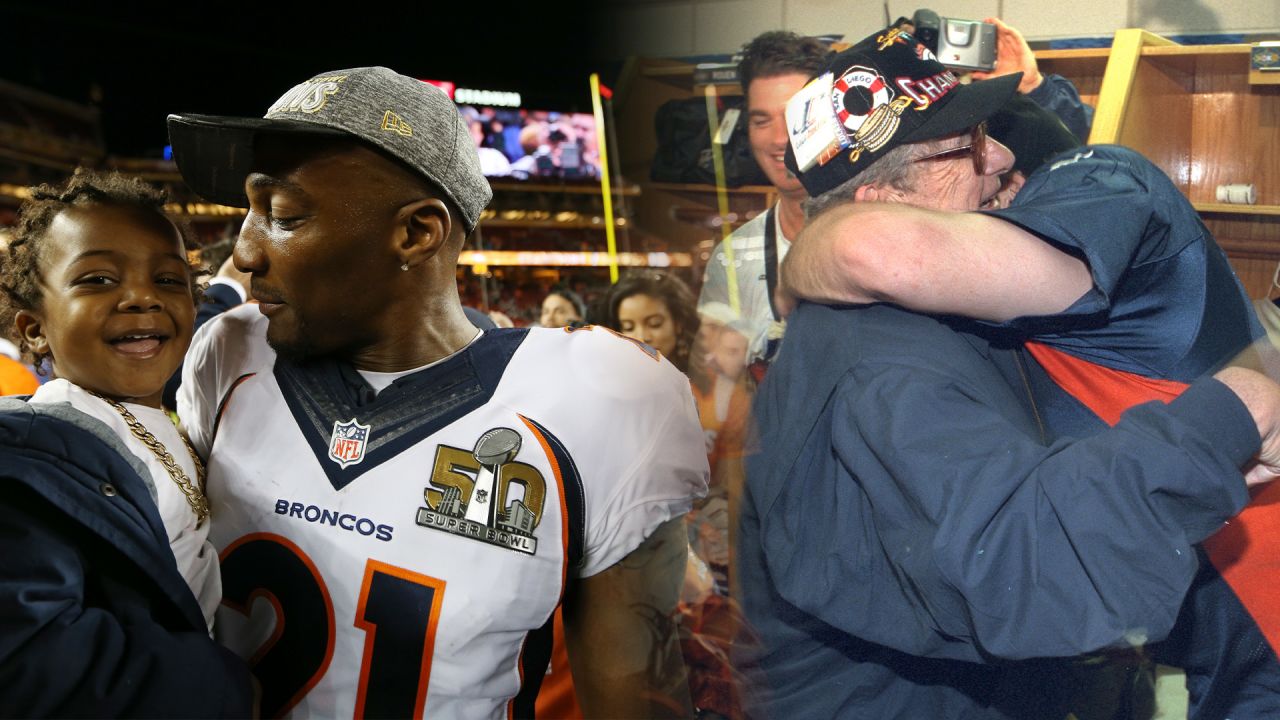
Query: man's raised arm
{"x": 931, "y": 261}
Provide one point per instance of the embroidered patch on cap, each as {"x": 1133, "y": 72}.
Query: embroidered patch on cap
{"x": 392, "y": 122}
{"x": 308, "y": 97}
{"x": 815, "y": 133}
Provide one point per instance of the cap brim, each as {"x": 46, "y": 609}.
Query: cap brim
{"x": 215, "y": 153}
{"x": 967, "y": 105}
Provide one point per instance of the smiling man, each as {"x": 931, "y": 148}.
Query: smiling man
{"x": 774, "y": 66}
{"x": 416, "y": 496}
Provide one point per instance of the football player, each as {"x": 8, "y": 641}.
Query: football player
{"x": 412, "y": 496}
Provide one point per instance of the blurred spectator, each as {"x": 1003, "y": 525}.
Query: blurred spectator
{"x": 214, "y": 255}
{"x": 492, "y": 162}
{"x": 16, "y": 378}
{"x": 500, "y": 319}
{"x": 533, "y": 141}
{"x": 562, "y": 307}
{"x": 722, "y": 388}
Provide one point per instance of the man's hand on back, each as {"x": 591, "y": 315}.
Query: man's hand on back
{"x": 1262, "y": 396}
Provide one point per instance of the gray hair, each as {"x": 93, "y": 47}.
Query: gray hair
{"x": 896, "y": 170}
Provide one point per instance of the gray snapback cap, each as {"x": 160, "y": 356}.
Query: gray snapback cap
{"x": 412, "y": 120}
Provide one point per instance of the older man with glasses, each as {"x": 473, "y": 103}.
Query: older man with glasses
{"x": 915, "y": 542}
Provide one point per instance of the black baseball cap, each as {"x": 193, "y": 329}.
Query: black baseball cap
{"x": 413, "y": 121}
{"x": 884, "y": 91}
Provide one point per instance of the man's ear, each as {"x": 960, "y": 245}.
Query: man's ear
{"x": 876, "y": 193}
{"x": 31, "y": 329}
{"x": 428, "y": 226}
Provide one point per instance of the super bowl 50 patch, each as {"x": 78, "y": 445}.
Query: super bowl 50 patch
{"x": 484, "y": 494}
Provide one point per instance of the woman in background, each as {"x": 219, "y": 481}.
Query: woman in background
{"x": 658, "y": 309}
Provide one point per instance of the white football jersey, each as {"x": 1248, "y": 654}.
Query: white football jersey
{"x": 401, "y": 555}
{"x": 188, "y": 540}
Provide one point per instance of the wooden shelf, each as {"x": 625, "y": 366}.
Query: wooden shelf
{"x": 680, "y": 75}
{"x": 1081, "y": 55}
{"x": 711, "y": 189}
{"x": 1193, "y": 111}
{"x": 1076, "y": 64}
{"x": 1084, "y": 67}
{"x": 583, "y": 224}
{"x": 1236, "y": 209}
{"x": 629, "y": 190}
{"x": 1196, "y": 50}
{"x": 681, "y": 215}
{"x": 676, "y": 69}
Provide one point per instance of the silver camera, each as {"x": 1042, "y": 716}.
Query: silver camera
{"x": 958, "y": 44}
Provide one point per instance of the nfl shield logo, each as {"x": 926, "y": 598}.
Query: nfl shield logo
{"x": 346, "y": 446}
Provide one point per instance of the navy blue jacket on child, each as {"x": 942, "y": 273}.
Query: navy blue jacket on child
{"x": 95, "y": 619}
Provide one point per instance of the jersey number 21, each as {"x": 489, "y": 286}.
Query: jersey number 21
{"x": 398, "y": 610}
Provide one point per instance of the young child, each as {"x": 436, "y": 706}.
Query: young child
{"x": 101, "y": 495}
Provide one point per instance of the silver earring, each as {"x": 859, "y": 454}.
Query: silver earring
{"x": 404, "y": 267}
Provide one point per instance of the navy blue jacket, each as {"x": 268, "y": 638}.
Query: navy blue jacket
{"x": 95, "y": 619}
{"x": 911, "y": 546}
{"x": 1057, "y": 95}
{"x": 1165, "y": 306}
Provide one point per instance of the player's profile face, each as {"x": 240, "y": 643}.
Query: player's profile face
{"x": 116, "y": 310}
{"x": 317, "y": 242}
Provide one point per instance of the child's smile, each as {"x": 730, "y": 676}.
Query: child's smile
{"x": 117, "y": 311}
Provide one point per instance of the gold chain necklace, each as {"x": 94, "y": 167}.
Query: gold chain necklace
{"x": 194, "y": 492}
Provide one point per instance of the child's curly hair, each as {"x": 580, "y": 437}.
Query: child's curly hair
{"x": 20, "y": 278}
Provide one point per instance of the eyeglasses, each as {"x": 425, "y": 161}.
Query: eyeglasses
{"x": 977, "y": 149}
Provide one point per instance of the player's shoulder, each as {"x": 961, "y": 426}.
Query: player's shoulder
{"x": 240, "y": 332}
{"x": 593, "y": 343}
{"x": 1091, "y": 171}
{"x": 1089, "y": 157}
{"x": 240, "y": 321}
{"x": 600, "y": 360}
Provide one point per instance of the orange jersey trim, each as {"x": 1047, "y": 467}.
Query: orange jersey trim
{"x": 1108, "y": 393}
{"x": 1246, "y": 552}
{"x": 557, "y": 696}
